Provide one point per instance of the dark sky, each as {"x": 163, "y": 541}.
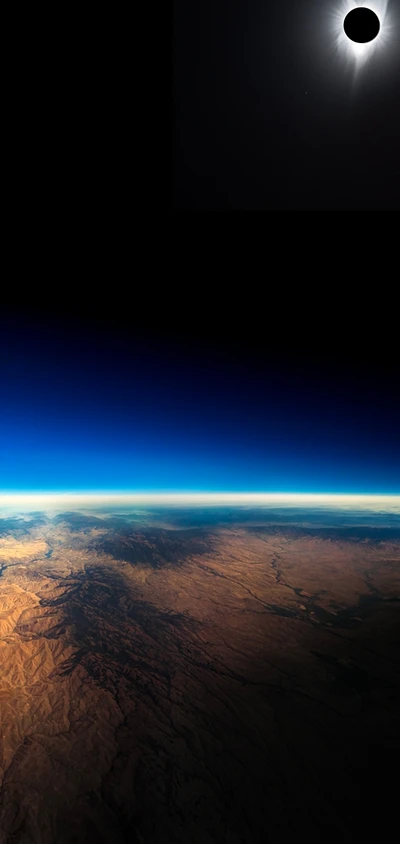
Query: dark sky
{"x": 269, "y": 114}
{"x": 129, "y": 398}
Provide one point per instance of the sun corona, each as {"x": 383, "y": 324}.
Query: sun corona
{"x": 360, "y": 30}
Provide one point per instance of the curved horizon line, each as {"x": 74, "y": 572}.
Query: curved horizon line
{"x": 189, "y": 492}
{"x": 24, "y": 499}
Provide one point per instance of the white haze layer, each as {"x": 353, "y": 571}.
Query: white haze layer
{"x": 63, "y": 502}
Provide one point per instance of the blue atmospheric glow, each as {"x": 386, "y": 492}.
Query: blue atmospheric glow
{"x": 76, "y": 418}
{"x": 47, "y": 453}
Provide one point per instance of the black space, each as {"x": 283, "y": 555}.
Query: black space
{"x": 259, "y": 323}
{"x": 267, "y": 116}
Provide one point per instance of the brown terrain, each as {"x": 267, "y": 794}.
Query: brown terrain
{"x": 224, "y": 685}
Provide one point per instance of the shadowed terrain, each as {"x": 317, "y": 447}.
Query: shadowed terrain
{"x": 216, "y": 682}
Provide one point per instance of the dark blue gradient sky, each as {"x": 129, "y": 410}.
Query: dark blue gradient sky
{"x": 98, "y": 403}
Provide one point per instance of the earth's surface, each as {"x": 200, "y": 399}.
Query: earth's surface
{"x": 199, "y": 676}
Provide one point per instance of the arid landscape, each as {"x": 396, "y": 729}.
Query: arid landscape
{"x": 225, "y": 681}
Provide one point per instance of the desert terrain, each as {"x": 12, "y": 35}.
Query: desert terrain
{"x": 215, "y": 684}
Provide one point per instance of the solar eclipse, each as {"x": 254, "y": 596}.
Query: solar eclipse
{"x": 361, "y": 25}
{"x": 362, "y": 30}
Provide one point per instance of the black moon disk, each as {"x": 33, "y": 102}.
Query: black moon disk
{"x": 361, "y": 25}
